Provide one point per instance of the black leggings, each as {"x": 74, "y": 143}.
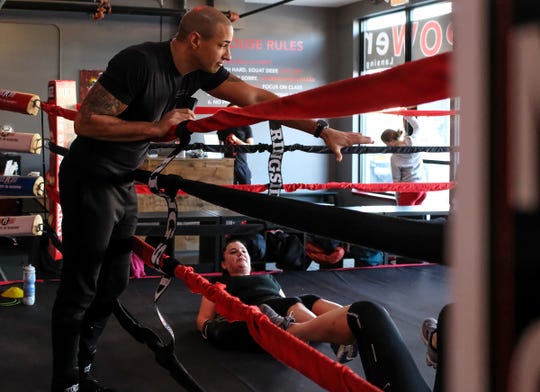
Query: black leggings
{"x": 98, "y": 223}
{"x": 227, "y": 335}
{"x": 386, "y": 360}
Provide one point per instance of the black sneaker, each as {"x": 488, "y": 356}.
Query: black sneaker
{"x": 88, "y": 384}
{"x": 280, "y": 321}
{"x": 345, "y": 352}
{"x": 72, "y": 388}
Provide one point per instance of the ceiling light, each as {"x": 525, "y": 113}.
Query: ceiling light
{"x": 395, "y": 3}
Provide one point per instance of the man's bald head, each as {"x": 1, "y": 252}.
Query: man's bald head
{"x": 203, "y": 20}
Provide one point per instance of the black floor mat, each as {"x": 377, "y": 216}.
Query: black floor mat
{"x": 409, "y": 293}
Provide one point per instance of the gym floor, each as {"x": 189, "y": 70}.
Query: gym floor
{"x": 410, "y": 293}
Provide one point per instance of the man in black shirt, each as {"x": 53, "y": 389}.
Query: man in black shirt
{"x": 134, "y": 101}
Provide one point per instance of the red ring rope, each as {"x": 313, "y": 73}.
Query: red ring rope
{"x": 409, "y": 84}
{"x": 377, "y": 187}
{"x": 412, "y": 83}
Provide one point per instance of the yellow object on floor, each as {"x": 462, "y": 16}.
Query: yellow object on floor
{"x": 13, "y": 292}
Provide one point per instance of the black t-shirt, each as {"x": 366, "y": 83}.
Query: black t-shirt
{"x": 251, "y": 289}
{"x": 242, "y": 174}
{"x": 242, "y": 133}
{"x": 144, "y": 78}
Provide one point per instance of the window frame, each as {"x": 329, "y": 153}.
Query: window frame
{"x": 404, "y": 23}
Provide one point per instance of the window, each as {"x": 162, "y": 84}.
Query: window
{"x": 390, "y": 40}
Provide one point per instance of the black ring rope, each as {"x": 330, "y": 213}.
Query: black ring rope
{"x": 436, "y": 162}
{"x": 365, "y": 229}
{"x": 431, "y": 233}
{"x": 311, "y": 149}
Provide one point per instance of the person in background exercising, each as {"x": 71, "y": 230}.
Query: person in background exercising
{"x": 238, "y": 136}
{"x": 142, "y": 95}
{"x": 406, "y": 167}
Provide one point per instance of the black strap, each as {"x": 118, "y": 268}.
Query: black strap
{"x": 169, "y": 194}
{"x": 274, "y": 160}
{"x": 165, "y": 355}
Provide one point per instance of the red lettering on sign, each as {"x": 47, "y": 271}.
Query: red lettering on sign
{"x": 450, "y": 34}
{"x": 434, "y": 28}
{"x": 292, "y": 46}
{"x": 399, "y": 39}
{"x": 250, "y": 44}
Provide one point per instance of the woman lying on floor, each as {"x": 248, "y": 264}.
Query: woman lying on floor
{"x": 258, "y": 289}
{"x": 363, "y": 327}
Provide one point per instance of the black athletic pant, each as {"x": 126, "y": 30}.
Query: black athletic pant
{"x": 386, "y": 360}
{"x": 242, "y": 173}
{"x": 227, "y": 335}
{"x": 98, "y": 222}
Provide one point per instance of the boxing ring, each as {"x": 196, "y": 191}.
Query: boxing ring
{"x": 350, "y": 226}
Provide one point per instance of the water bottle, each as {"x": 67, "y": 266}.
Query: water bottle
{"x": 29, "y": 284}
